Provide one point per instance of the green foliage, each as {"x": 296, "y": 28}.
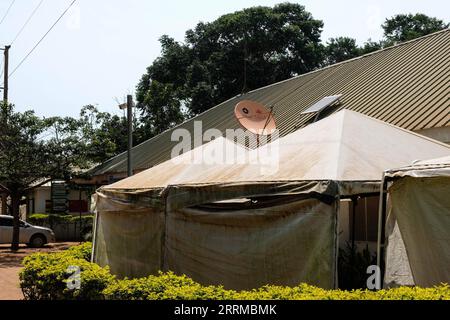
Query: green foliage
{"x": 245, "y": 50}
{"x": 208, "y": 67}
{"x": 164, "y": 286}
{"x": 36, "y": 217}
{"x": 352, "y": 267}
{"x": 168, "y": 286}
{"x": 404, "y": 27}
{"x": 341, "y": 49}
{"x": 24, "y": 159}
{"x": 82, "y": 251}
{"x": 307, "y": 292}
{"x": 104, "y": 135}
{"x": 53, "y": 220}
{"x": 41, "y": 219}
{"x": 163, "y": 107}
{"x": 44, "y": 277}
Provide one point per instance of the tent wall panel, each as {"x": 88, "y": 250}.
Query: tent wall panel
{"x": 421, "y": 207}
{"x": 134, "y": 242}
{"x": 129, "y": 233}
{"x": 284, "y": 244}
{"x": 398, "y": 272}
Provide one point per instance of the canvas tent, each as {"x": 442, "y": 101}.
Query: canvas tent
{"x": 418, "y": 224}
{"x": 270, "y": 220}
{"x": 130, "y": 213}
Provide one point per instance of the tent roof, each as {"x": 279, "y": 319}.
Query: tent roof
{"x": 443, "y": 161}
{"x": 185, "y": 167}
{"x": 426, "y": 168}
{"x": 405, "y": 85}
{"x": 347, "y": 146}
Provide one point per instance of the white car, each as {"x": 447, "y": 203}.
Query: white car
{"x": 33, "y": 236}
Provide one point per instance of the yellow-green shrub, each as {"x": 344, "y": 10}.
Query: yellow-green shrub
{"x": 45, "y": 277}
{"x": 165, "y": 286}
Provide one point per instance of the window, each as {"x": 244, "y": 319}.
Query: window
{"x": 48, "y": 206}
{"x": 78, "y": 206}
{"x": 6, "y": 222}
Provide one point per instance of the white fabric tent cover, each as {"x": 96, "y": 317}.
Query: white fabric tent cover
{"x": 418, "y": 224}
{"x": 188, "y": 220}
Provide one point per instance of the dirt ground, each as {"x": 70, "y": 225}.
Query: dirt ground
{"x": 11, "y": 263}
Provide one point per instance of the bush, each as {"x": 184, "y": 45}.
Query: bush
{"x": 45, "y": 277}
{"x": 66, "y": 227}
{"x": 51, "y": 219}
{"x": 352, "y": 267}
{"x": 165, "y": 286}
{"x": 168, "y": 286}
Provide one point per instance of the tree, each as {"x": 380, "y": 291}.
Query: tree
{"x": 34, "y": 150}
{"x": 104, "y": 135}
{"x": 404, "y": 27}
{"x": 371, "y": 46}
{"x": 24, "y": 159}
{"x": 162, "y": 107}
{"x": 237, "y": 52}
{"x": 340, "y": 49}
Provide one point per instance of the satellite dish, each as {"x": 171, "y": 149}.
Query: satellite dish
{"x": 254, "y": 117}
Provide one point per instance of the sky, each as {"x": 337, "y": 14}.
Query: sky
{"x": 98, "y": 52}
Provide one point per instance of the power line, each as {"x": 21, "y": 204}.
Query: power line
{"x": 43, "y": 37}
{"x": 26, "y": 22}
{"x": 7, "y": 11}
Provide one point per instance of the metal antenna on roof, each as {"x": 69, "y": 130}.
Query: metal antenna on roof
{"x": 244, "y": 87}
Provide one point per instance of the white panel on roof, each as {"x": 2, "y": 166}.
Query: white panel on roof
{"x": 322, "y": 104}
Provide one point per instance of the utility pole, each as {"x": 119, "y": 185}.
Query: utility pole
{"x": 6, "y": 74}
{"x": 130, "y": 132}
{"x": 4, "y": 196}
{"x": 129, "y": 107}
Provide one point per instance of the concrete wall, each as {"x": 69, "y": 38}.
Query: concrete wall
{"x": 69, "y": 231}
{"x": 40, "y": 195}
{"x": 43, "y": 193}
{"x": 441, "y": 134}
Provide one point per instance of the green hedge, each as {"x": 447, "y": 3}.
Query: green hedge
{"x": 45, "y": 218}
{"x": 44, "y": 276}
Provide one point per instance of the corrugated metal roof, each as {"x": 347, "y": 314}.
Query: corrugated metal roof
{"x": 405, "y": 85}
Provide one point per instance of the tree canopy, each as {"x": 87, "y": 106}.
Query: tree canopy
{"x": 237, "y": 52}
{"x": 24, "y": 159}
{"x": 340, "y": 49}
{"x": 404, "y": 27}
{"x": 34, "y": 150}
{"x": 246, "y": 50}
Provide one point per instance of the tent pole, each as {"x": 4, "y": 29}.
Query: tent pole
{"x": 381, "y": 227}
{"x": 354, "y": 204}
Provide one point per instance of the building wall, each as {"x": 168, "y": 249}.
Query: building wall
{"x": 441, "y": 134}
{"x": 40, "y": 195}
{"x": 43, "y": 194}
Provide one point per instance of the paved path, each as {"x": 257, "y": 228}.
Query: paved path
{"x": 10, "y": 266}
{"x": 9, "y": 284}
